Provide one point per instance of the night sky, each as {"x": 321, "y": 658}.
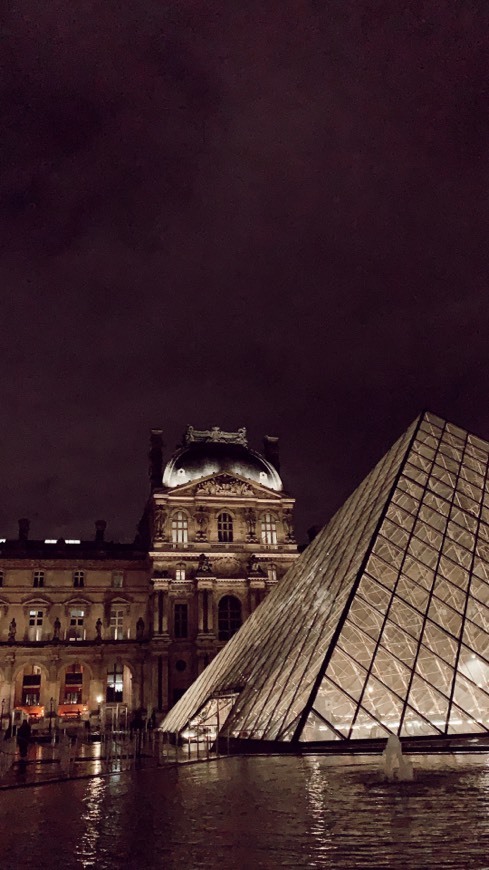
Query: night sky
{"x": 237, "y": 213}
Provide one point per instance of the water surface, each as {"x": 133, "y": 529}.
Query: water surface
{"x": 266, "y": 812}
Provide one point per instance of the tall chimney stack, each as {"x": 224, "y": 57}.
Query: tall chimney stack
{"x": 156, "y": 458}
{"x": 270, "y": 444}
{"x": 24, "y": 526}
{"x": 100, "y": 527}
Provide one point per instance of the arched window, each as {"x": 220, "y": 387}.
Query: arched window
{"x": 229, "y": 616}
{"x": 115, "y": 684}
{"x": 179, "y": 528}
{"x": 224, "y": 528}
{"x": 268, "y": 529}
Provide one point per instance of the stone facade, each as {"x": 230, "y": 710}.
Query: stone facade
{"x": 90, "y": 627}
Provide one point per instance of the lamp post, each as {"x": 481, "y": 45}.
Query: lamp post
{"x": 1, "y": 720}
{"x": 51, "y": 702}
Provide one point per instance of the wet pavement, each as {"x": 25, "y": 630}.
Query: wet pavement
{"x": 255, "y": 812}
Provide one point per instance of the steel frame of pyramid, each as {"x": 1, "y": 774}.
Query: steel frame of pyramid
{"x": 382, "y": 625}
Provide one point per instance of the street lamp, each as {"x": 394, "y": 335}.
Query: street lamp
{"x": 51, "y": 702}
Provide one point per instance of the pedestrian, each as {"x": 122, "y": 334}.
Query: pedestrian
{"x": 23, "y": 737}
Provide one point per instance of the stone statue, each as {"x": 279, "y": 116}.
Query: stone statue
{"x": 98, "y": 629}
{"x": 12, "y": 629}
{"x": 250, "y": 517}
{"x": 204, "y": 566}
{"x": 202, "y": 521}
{"x": 159, "y": 524}
{"x": 287, "y": 524}
{"x": 57, "y": 629}
{"x": 140, "y": 629}
{"x": 253, "y": 565}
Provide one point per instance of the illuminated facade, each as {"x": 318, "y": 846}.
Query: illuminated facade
{"x": 382, "y": 624}
{"x": 90, "y": 626}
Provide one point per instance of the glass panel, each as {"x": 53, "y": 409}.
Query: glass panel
{"x": 366, "y": 617}
{"x": 415, "y": 725}
{"x": 434, "y": 670}
{"x": 416, "y": 595}
{"x": 383, "y": 572}
{"x": 374, "y": 593}
{"x": 358, "y": 644}
{"x": 471, "y": 699}
{"x": 474, "y": 668}
{"x": 391, "y": 672}
{"x": 405, "y": 617}
{"x": 476, "y": 639}
{"x": 366, "y": 727}
{"x": 399, "y": 643}
{"x": 336, "y": 707}
{"x": 344, "y": 672}
{"x": 440, "y": 642}
{"x": 445, "y": 616}
{"x": 316, "y": 729}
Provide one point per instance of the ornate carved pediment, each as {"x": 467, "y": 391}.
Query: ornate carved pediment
{"x": 214, "y": 434}
{"x": 226, "y": 485}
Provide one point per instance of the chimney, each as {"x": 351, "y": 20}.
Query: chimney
{"x": 100, "y": 527}
{"x": 270, "y": 444}
{"x": 24, "y": 529}
{"x": 313, "y": 532}
{"x": 156, "y": 458}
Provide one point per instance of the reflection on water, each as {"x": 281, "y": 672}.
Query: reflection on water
{"x": 86, "y": 849}
{"x": 310, "y": 812}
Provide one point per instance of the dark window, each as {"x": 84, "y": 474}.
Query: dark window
{"x": 1, "y": 578}
{"x": 225, "y": 528}
{"x": 181, "y": 620}
{"x": 78, "y": 579}
{"x": 38, "y": 579}
{"x": 229, "y": 616}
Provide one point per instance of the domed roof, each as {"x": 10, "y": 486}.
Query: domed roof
{"x": 216, "y": 452}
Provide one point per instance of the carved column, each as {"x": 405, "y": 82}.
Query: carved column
{"x": 205, "y": 588}
{"x": 160, "y": 615}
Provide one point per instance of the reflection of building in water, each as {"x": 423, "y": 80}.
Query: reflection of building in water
{"x": 381, "y": 627}
{"x": 91, "y": 624}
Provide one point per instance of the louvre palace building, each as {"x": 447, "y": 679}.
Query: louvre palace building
{"x": 94, "y": 628}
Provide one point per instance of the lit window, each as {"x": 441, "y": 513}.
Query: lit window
{"x": 35, "y": 624}
{"x": 229, "y": 616}
{"x": 115, "y": 684}
{"x": 117, "y": 623}
{"x": 77, "y": 620}
{"x": 78, "y": 579}
{"x": 225, "y": 528}
{"x": 269, "y": 529}
{"x": 38, "y": 581}
{"x": 179, "y": 528}
{"x": 73, "y": 684}
{"x": 31, "y": 687}
{"x": 180, "y": 572}
{"x": 117, "y": 579}
{"x": 272, "y": 573}
{"x": 181, "y": 620}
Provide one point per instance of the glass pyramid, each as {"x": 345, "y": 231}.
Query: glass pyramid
{"x": 382, "y": 625}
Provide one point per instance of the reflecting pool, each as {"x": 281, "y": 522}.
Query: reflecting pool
{"x": 257, "y": 812}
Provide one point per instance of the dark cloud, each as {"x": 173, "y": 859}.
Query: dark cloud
{"x": 272, "y": 215}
